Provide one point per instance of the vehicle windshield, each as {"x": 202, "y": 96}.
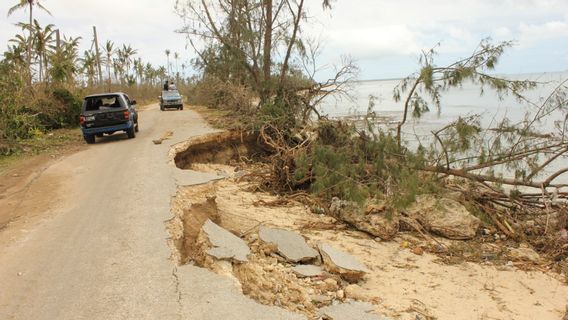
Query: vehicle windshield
{"x": 171, "y": 94}
{"x": 96, "y": 103}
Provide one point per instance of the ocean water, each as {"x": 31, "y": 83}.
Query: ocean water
{"x": 464, "y": 101}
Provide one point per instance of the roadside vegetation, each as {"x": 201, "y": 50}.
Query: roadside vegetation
{"x": 256, "y": 65}
{"x": 43, "y": 77}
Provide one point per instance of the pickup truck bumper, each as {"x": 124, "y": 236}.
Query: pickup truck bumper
{"x": 171, "y": 105}
{"x": 119, "y": 127}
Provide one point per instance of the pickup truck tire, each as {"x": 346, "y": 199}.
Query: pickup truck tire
{"x": 89, "y": 138}
{"x": 180, "y": 108}
{"x": 131, "y": 132}
{"x": 136, "y": 129}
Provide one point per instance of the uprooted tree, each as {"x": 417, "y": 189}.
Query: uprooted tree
{"x": 502, "y": 168}
{"x": 257, "y": 47}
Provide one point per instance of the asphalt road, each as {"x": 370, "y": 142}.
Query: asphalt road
{"x": 98, "y": 249}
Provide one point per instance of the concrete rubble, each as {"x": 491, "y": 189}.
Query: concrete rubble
{"x": 305, "y": 271}
{"x": 346, "y": 266}
{"x": 223, "y": 244}
{"x": 288, "y": 244}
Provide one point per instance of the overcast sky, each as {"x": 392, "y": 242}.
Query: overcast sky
{"x": 383, "y": 36}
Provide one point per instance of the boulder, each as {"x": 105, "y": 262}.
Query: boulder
{"x": 306, "y": 271}
{"x": 445, "y": 217}
{"x": 377, "y": 224}
{"x": 349, "y": 311}
{"x": 346, "y": 266}
{"x": 222, "y": 244}
{"x": 288, "y": 244}
{"x": 377, "y": 219}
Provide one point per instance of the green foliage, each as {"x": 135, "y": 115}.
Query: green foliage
{"x": 357, "y": 166}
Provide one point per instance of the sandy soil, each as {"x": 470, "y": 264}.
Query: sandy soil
{"x": 404, "y": 282}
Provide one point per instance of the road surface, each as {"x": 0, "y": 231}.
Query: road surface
{"x": 92, "y": 243}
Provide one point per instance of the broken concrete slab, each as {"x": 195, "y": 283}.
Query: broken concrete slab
{"x": 224, "y": 244}
{"x": 350, "y": 311}
{"x": 306, "y": 271}
{"x": 289, "y": 244}
{"x": 338, "y": 262}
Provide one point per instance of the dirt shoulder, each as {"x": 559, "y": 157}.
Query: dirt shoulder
{"x": 19, "y": 172}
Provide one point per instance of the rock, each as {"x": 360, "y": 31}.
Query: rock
{"x": 223, "y": 244}
{"x": 377, "y": 220}
{"x": 524, "y": 254}
{"x": 290, "y": 245}
{"x": 486, "y": 232}
{"x": 341, "y": 263}
{"x": 349, "y": 311}
{"x": 418, "y": 251}
{"x": 340, "y": 294}
{"x": 321, "y": 299}
{"x": 329, "y": 285}
{"x": 305, "y": 271}
{"x": 445, "y": 217}
{"x": 355, "y": 292}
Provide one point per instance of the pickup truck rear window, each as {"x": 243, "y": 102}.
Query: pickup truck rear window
{"x": 103, "y": 102}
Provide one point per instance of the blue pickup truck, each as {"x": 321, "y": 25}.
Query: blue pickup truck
{"x": 107, "y": 113}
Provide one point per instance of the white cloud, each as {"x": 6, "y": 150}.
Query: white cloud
{"x": 531, "y": 34}
{"x": 366, "y": 29}
{"x": 373, "y": 42}
{"x": 146, "y": 25}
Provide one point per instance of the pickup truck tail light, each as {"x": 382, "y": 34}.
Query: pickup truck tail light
{"x": 126, "y": 114}
{"x": 81, "y": 120}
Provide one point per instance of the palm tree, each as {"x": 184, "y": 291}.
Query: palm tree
{"x": 128, "y": 52}
{"x": 109, "y": 51}
{"x": 89, "y": 61}
{"x": 149, "y": 73}
{"x": 43, "y": 37}
{"x": 161, "y": 73}
{"x": 22, "y": 5}
{"x": 64, "y": 60}
{"x": 15, "y": 54}
{"x": 176, "y": 57}
{"x": 139, "y": 70}
{"x": 168, "y": 56}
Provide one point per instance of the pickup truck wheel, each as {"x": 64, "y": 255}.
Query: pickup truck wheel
{"x": 131, "y": 132}
{"x": 162, "y": 108}
{"x": 136, "y": 129}
{"x": 89, "y": 138}
{"x": 181, "y": 108}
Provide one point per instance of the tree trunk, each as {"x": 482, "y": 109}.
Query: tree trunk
{"x": 267, "y": 59}
{"x": 30, "y": 2}
{"x": 297, "y": 18}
